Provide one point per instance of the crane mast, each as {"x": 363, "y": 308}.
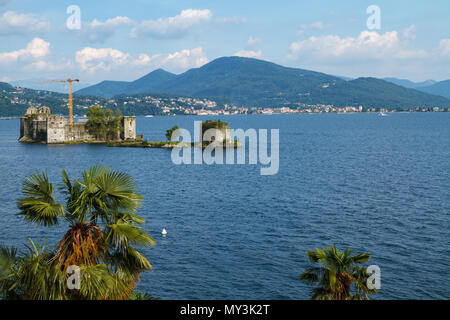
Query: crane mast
{"x": 69, "y": 81}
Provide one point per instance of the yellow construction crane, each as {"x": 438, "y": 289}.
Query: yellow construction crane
{"x": 70, "y": 80}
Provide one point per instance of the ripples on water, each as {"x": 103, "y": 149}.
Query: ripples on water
{"x": 380, "y": 184}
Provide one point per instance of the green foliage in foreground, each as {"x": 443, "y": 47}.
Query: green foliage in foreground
{"x": 103, "y": 237}
{"x": 137, "y": 295}
{"x": 339, "y": 276}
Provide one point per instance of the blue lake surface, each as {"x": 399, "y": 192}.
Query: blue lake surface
{"x": 377, "y": 184}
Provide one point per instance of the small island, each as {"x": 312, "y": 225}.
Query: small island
{"x": 219, "y": 137}
{"x": 111, "y": 128}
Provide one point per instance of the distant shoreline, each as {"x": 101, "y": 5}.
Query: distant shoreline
{"x": 265, "y": 114}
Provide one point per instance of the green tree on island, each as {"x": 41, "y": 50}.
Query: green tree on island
{"x": 214, "y": 124}
{"x": 96, "y": 124}
{"x": 340, "y": 277}
{"x": 103, "y": 235}
{"x": 104, "y": 125}
{"x": 113, "y": 124}
{"x": 169, "y": 133}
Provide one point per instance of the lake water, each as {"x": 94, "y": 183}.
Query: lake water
{"x": 377, "y": 184}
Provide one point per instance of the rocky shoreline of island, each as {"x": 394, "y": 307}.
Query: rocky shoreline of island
{"x": 172, "y": 145}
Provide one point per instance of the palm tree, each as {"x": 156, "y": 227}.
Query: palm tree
{"x": 340, "y": 277}
{"x": 102, "y": 240}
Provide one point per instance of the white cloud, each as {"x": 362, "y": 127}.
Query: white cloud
{"x": 32, "y": 58}
{"x": 371, "y": 53}
{"x": 177, "y": 61}
{"x": 249, "y": 54}
{"x": 250, "y": 50}
{"x": 186, "y": 59}
{"x": 144, "y": 59}
{"x": 35, "y": 49}
{"x": 172, "y": 27}
{"x": 111, "y": 23}
{"x": 107, "y": 59}
{"x": 12, "y": 22}
{"x": 92, "y": 59}
{"x": 98, "y": 31}
{"x": 42, "y": 65}
{"x": 444, "y": 47}
{"x": 369, "y": 45}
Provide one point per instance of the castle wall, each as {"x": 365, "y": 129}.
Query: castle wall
{"x": 129, "y": 128}
{"x": 77, "y": 131}
{"x": 26, "y": 128}
{"x": 40, "y": 125}
{"x": 39, "y": 129}
{"x": 22, "y": 128}
{"x": 56, "y": 132}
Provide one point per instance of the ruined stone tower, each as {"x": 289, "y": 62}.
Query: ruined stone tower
{"x": 129, "y": 128}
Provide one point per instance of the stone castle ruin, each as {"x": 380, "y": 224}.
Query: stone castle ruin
{"x": 39, "y": 125}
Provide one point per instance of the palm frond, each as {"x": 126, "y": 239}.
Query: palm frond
{"x": 104, "y": 231}
{"x": 316, "y": 255}
{"x": 97, "y": 283}
{"x": 38, "y": 205}
{"x": 122, "y": 234}
{"x": 361, "y": 258}
{"x": 312, "y": 275}
{"x": 40, "y": 277}
{"x": 8, "y": 276}
{"x": 339, "y": 274}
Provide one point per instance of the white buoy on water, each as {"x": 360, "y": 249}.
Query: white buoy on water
{"x": 164, "y": 232}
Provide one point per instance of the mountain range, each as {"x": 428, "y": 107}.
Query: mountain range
{"x": 146, "y": 84}
{"x": 38, "y": 84}
{"x": 252, "y": 82}
{"x": 410, "y": 84}
{"x": 440, "y": 88}
{"x": 14, "y": 101}
{"x": 242, "y": 81}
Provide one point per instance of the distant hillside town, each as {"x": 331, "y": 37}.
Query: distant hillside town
{"x": 19, "y": 100}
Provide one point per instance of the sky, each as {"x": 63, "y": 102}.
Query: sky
{"x": 124, "y": 40}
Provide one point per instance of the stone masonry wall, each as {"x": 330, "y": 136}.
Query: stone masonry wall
{"x": 76, "y": 132}
{"x": 129, "y": 128}
{"x": 56, "y": 129}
